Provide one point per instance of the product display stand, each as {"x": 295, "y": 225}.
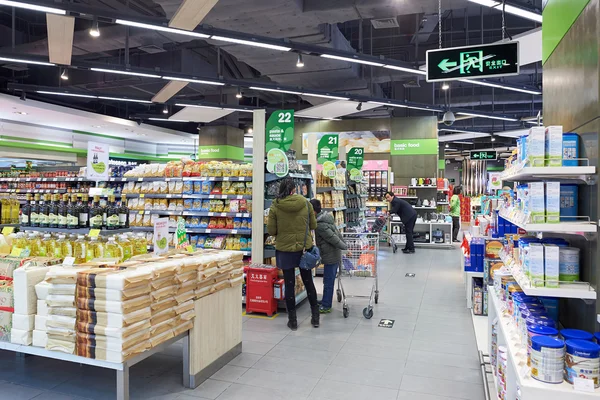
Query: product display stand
{"x": 122, "y": 369}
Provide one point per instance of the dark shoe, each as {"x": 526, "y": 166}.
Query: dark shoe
{"x": 408, "y": 251}
{"x": 456, "y": 241}
{"x": 324, "y": 310}
{"x": 314, "y": 319}
{"x": 292, "y": 320}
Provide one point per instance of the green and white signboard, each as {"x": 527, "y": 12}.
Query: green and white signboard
{"x": 481, "y": 61}
{"x": 414, "y": 147}
{"x": 327, "y": 153}
{"x": 278, "y": 140}
{"x": 354, "y": 160}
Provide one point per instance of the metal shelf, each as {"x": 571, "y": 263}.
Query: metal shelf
{"x": 525, "y": 174}
{"x": 423, "y": 187}
{"x": 334, "y": 209}
{"x": 190, "y": 178}
{"x": 214, "y": 214}
{"x": 562, "y": 227}
{"x": 45, "y": 180}
{"x": 581, "y": 290}
{"x": 79, "y": 231}
{"x": 220, "y": 231}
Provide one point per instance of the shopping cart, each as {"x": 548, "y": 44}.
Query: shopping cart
{"x": 360, "y": 261}
{"x": 378, "y": 226}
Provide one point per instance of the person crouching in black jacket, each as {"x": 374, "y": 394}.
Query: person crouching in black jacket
{"x": 407, "y": 215}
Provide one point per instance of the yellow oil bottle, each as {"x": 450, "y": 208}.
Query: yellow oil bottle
{"x": 14, "y": 210}
{"x": 48, "y": 245}
{"x": 140, "y": 245}
{"x": 66, "y": 249}
{"x": 127, "y": 247}
{"x": 20, "y": 240}
{"x": 5, "y": 218}
{"x": 32, "y": 245}
{"x": 113, "y": 250}
{"x": 80, "y": 250}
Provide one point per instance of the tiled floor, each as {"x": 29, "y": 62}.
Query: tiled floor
{"x": 429, "y": 354}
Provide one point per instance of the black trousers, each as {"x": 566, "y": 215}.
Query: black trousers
{"x": 455, "y": 227}
{"x": 410, "y": 227}
{"x": 289, "y": 275}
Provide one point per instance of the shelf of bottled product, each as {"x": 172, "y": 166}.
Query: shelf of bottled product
{"x": 178, "y": 196}
{"x": 71, "y": 179}
{"x": 192, "y": 213}
{"x": 574, "y": 290}
{"x": 77, "y": 231}
{"x": 519, "y": 219}
{"x": 172, "y": 229}
{"x": 521, "y": 173}
{"x": 185, "y": 178}
{"x": 40, "y": 191}
{"x": 518, "y": 373}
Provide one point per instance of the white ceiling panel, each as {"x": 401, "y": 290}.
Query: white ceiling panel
{"x": 60, "y": 38}
{"x": 168, "y": 91}
{"x": 334, "y": 109}
{"x": 191, "y": 13}
{"x": 200, "y": 114}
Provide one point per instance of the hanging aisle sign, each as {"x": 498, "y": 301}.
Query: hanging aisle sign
{"x": 327, "y": 153}
{"x": 278, "y": 140}
{"x": 97, "y": 161}
{"x": 355, "y": 159}
{"x": 483, "y": 61}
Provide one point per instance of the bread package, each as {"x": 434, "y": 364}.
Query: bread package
{"x": 40, "y": 323}
{"x": 124, "y": 332}
{"x": 162, "y": 305}
{"x": 63, "y": 311}
{"x": 112, "y": 343}
{"x": 163, "y": 316}
{"x": 113, "y": 320}
{"x": 42, "y": 307}
{"x": 114, "y": 278}
{"x": 184, "y": 307}
{"x": 113, "y": 294}
{"x": 56, "y": 344}
{"x": 117, "y": 307}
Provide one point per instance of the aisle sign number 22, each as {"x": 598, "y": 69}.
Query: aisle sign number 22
{"x": 279, "y": 138}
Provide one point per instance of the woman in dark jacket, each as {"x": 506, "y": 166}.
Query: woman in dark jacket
{"x": 288, "y": 218}
{"x": 330, "y": 244}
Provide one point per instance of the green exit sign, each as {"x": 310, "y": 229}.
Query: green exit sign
{"x": 483, "y": 155}
{"x": 483, "y": 61}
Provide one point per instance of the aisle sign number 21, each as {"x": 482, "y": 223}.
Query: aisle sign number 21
{"x": 327, "y": 153}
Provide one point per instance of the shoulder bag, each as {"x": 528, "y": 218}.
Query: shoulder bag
{"x": 310, "y": 258}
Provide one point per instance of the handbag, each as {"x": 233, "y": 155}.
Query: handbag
{"x": 310, "y": 258}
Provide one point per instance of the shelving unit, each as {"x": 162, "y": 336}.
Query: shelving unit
{"x": 517, "y": 371}
{"x": 520, "y": 219}
{"x": 80, "y": 231}
{"x": 580, "y": 290}
{"x": 526, "y": 174}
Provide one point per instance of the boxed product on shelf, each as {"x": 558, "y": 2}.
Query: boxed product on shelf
{"x": 553, "y": 146}
{"x": 536, "y": 146}
{"x": 553, "y": 197}
{"x": 537, "y": 204}
{"x": 492, "y": 248}
{"x": 570, "y": 150}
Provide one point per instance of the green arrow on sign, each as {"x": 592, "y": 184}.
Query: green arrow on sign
{"x": 446, "y": 64}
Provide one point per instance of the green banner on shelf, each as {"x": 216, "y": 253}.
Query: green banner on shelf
{"x": 441, "y": 164}
{"x": 327, "y": 153}
{"x": 412, "y": 147}
{"x": 220, "y": 151}
{"x": 355, "y": 159}
{"x": 280, "y": 130}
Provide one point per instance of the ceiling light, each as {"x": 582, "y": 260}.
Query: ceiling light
{"x": 359, "y": 107}
{"x": 173, "y": 78}
{"x": 238, "y": 94}
{"x": 488, "y": 116}
{"x": 85, "y": 96}
{"x": 312, "y": 117}
{"x": 238, "y": 109}
{"x": 166, "y": 109}
{"x": 493, "y": 139}
{"x": 95, "y": 29}
{"x": 64, "y": 75}
{"x": 125, "y": 99}
{"x": 447, "y": 145}
{"x": 116, "y": 71}
{"x": 250, "y": 130}
{"x": 251, "y": 43}
{"x": 486, "y": 3}
{"x": 33, "y": 7}
{"x": 445, "y": 86}
{"x": 326, "y": 96}
{"x": 275, "y": 90}
{"x": 161, "y": 28}
{"x": 197, "y": 106}
{"x": 352, "y": 60}
{"x": 496, "y": 85}
{"x": 20, "y": 60}
{"x": 510, "y": 9}
{"x": 459, "y": 142}
{"x": 167, "y": 120}
{"x": 20, "y": 112}
{"x": 388, "y": 104}
{"x": 300, "y": 62}
{"x": 405, "y": 69}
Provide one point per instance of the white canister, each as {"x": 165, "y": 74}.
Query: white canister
{"x": 546, "y": 358}
{"x": 568, "y": 267}
{"x": 582, "y": 360}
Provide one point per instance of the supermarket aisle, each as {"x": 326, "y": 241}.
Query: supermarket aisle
{"x": 429, "y": 354}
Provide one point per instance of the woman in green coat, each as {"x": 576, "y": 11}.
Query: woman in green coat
{"x": 289, "y": 216}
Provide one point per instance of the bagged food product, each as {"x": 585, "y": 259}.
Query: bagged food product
{"x": 56, "y": 344}
{"x": 124, "y": 332}
{"x": 188, "y": 187}
{"x": 164, "y": 326}
{"x": 163, "y": 337}
{"x": 7, "y": 294}
{"x": 113, "y": 294}
{"x": 117, "y": 307}
{"x": 90, "y": 351}
{"x": 42, "y": 308}
{"x": 62, "y": 311}
{"x": 23, "y": 322}
{"x": 62, "y": 288}
{"x": 25, "y": 279}
{"x": 113, "y": 320}
{"x": 40, "y": 338}
{"x": 203, "y": 292}
{"x": 18, "y": 336}
{"x": 165, "y": 292}
{"x": 192, "y": 275}
{"x": 63, "y": 274}
{"x": 112, "y": 343}
{"x": 60, "y": 321}
{"x": 162, "y": 316}
{"x": 60, "y": 301}
{"x": 163, "y": 304}
{"x": 5, "y": 323}
{"x": 8, "y": 265}
{"x": 184, "y": 307}
{"x": 186, "y": 326}
{"x": 163, "y": 282}
{"x": 184, "y": 297}
{"x": 109, "y": 278}
{"x": 67, "y": 334}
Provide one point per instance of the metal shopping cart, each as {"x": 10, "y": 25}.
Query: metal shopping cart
{"x": 360, "y": 261}
{"x": 378, "y": 226}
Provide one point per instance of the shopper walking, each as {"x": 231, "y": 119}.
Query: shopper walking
{"x": 455, "y": 212}
{"x": 288, "y": 218}
{"x": 331, "y": 244}
{"x": 407, "y": 215}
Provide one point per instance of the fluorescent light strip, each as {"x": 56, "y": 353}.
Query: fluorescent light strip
{"x": 460, "y": 142}
{"x": 410, "y": 70}
{"x": 114, "y": 71}
{"x": 486, "y": 3}
{"x": 488, "y": 116}
{"x": 86, "y": 96}
{"x": 388, "y": 104}
{"x": 322, "y": 118}
{"x": 251, "y": 43}
{"x": 495, "y": 85}
{"x": 275, "y": 90}
{"x": 161, "y": 28}
{"x": 54, "y": 145}
{"x": 352, "y": 60}
{"x": 238, "y": 110}
{"x": 125, "y": 99}
{"x": 510, "y": 9}
{"x": 33, "y": 7}
{"x": 461, "y": 131}
{"x": 423, "y": 108}
{"x": 167, "y": 120}
{"x": 326, "y": 96}
{"x": 173, "y": 78}
{"x": 18, "y": 60}
{"x": 197, "y": 106}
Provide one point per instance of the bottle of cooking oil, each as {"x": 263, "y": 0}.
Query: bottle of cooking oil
{"x": 66, "y": 248}
{"x": 48, "y": 244}
{"x": 140, "y": 245}
{"x": 127, "y": 247}
{"x": 113, "y": 250}
{"x": 32, "y": 245}
{"x": 5, "y": 218}
{"x": 80, "y": 249}
{"x": 15, "y": 209}
{"x": 94, "y": 249}
{"x": 20, "y": 241}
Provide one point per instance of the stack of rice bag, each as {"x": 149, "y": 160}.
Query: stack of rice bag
{"x": 219, "y": 270}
